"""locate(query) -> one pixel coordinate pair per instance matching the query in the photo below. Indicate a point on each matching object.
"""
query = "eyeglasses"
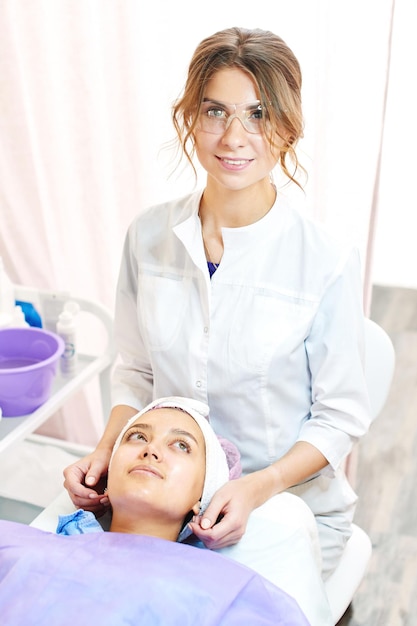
(216, 117)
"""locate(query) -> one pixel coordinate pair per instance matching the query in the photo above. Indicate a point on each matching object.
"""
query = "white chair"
(379, 370)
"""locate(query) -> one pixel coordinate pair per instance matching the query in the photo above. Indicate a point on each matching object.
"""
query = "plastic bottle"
(7, 292)
(5, 320)
(19, 320)
(66, 328)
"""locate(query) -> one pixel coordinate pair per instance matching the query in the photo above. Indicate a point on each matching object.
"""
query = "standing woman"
(229, 296)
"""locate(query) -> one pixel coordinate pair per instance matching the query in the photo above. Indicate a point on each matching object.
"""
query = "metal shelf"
(14, 429)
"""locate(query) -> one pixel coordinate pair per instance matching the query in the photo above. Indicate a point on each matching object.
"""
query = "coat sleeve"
(340, 412)
(132, 378)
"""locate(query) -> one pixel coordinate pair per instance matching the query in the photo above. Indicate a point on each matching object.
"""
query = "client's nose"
(150, 451)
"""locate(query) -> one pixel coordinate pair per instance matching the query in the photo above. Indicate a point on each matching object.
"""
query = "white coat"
(273, 343)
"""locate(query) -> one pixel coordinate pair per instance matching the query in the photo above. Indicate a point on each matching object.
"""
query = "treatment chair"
(379, 370)
(345, 580)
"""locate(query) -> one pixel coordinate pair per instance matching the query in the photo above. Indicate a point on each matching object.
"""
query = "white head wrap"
(217, 469)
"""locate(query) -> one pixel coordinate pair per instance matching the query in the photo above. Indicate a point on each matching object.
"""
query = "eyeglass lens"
(216, 117)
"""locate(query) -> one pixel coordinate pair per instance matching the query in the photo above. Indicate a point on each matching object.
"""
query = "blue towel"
(78, 523)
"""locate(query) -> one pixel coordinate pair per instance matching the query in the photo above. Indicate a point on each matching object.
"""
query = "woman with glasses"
(230, 296)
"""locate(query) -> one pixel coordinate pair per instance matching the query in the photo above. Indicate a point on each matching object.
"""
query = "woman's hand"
(231, 505)
(86, 479)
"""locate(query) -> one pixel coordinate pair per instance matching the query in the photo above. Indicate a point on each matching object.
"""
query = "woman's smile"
(234, 164)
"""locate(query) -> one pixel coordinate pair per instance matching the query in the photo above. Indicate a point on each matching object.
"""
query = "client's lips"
(146, 469)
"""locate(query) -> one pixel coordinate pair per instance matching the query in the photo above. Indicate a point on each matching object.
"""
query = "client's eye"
(135, 435)
(182, 445)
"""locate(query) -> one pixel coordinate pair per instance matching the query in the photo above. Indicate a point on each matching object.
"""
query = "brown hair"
(276, 73)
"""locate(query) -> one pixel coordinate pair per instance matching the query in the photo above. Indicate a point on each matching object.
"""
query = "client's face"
(160, 465)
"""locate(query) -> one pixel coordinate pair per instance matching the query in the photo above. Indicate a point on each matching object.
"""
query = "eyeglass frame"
(250, 107)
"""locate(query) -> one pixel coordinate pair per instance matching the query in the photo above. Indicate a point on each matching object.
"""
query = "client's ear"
(194, 511)
(196, 508)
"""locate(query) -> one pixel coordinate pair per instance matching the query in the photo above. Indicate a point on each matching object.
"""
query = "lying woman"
(166, 465)
(170, 440)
